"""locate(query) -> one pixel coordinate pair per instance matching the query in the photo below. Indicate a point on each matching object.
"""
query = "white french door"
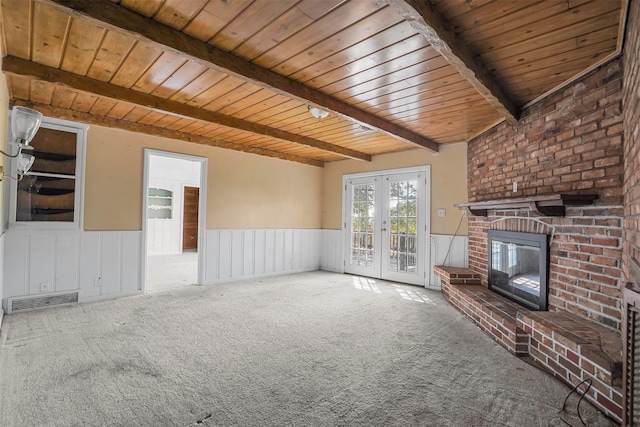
(386, 232)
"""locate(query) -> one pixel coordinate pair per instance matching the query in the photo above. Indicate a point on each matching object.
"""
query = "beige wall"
(244, 190)
(249, 191)
(4, 113)
(448, 183)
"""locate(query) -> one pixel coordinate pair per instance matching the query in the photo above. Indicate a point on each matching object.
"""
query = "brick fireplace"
(584, 256)
(569, 143)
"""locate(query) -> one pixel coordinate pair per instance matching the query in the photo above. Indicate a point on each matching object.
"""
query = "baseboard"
(259, 276)
(109, 297)
(332, 270)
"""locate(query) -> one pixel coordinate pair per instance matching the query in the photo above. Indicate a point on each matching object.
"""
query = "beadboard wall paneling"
(332, 251)
(99, 264)
(240, 254)
(107, 264)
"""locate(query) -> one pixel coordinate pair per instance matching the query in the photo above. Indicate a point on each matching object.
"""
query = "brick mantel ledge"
(546, 205)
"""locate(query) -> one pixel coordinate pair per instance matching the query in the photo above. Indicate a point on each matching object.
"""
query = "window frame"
(80, 129)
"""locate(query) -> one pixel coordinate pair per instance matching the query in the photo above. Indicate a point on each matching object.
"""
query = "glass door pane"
(403, 219)
(403, 231)
(362, 240)
(362, 223)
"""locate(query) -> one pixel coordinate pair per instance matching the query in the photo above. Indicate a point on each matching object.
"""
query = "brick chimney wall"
(631, 108)
(570, 142)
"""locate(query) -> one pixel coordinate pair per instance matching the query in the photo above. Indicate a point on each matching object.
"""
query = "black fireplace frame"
(540, 241)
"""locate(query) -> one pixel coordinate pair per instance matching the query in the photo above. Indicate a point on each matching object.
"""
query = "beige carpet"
(314, 349)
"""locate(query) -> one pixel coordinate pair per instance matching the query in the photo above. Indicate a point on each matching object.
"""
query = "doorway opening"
(172, 220)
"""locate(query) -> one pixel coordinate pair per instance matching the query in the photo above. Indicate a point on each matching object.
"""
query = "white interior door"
(386, 230)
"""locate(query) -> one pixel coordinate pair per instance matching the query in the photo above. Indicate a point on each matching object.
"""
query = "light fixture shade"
(24, 124)
(24, 162)
(318, 113)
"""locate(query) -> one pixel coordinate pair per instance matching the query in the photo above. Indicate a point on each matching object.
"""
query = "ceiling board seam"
(65, 40)
(124, 58)
(190, 20)
(95, 51)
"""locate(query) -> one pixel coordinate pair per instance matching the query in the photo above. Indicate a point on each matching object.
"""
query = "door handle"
(384, 229)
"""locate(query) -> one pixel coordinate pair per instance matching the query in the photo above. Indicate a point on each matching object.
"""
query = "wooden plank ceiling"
(241, 74)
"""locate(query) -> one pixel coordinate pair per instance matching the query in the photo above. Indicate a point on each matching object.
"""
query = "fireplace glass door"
(518, 267)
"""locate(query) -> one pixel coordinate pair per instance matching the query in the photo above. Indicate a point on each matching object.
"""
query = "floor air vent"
(16, 305)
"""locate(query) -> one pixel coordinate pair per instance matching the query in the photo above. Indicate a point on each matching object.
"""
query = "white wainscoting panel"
(1, 277)
(98, 264)
(114, 259)
(66, 263)
(457, 255)
(163, 236)
(243, 254)
(332, 250)
(90, 256)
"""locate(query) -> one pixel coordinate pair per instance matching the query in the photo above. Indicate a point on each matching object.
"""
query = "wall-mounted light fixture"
(318, 113)
(24, 125)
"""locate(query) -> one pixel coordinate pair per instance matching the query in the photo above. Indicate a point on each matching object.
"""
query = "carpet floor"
(166, 272)
(312, 349)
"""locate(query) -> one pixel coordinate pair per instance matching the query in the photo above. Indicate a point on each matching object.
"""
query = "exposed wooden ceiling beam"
(425, 19)
(22, 67)
(117, 18)
(79, 116)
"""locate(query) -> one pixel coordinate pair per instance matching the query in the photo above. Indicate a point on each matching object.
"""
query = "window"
(50, 194)
(160, 203)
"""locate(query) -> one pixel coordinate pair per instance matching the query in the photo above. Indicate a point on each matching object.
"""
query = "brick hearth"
(566, 345)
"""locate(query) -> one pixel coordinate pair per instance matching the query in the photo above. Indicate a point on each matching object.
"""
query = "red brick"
(610, 405)
(569, 366)
(573, 357)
